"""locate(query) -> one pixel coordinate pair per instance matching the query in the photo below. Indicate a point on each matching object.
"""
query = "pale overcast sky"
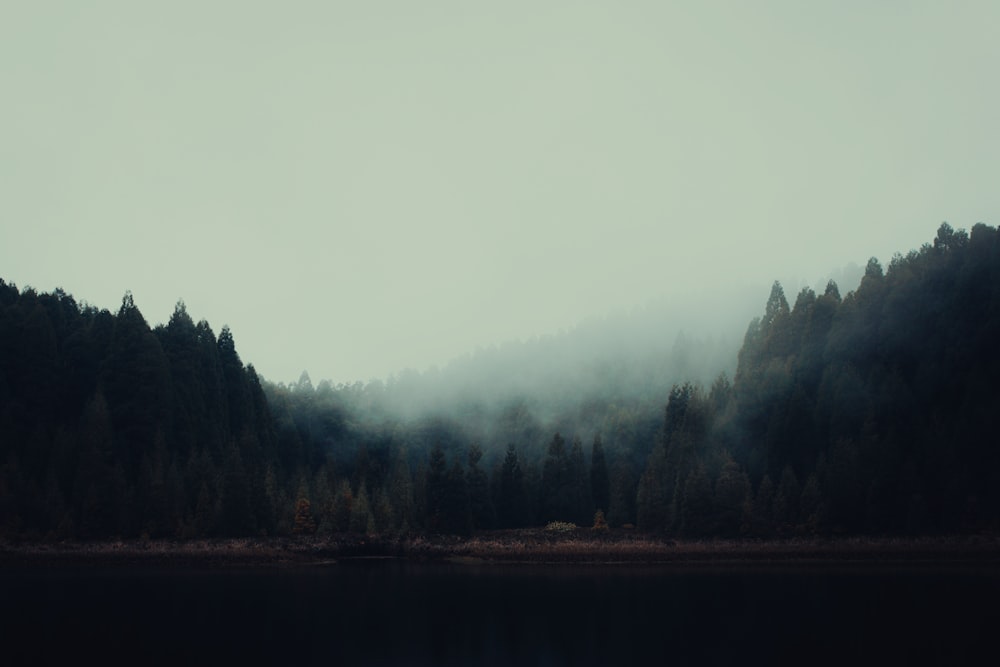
(360, 187)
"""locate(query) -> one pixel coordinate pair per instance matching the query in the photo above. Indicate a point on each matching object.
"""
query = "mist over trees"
(871, 411)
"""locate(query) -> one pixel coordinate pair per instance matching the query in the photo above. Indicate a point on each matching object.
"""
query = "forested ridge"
(875, 412)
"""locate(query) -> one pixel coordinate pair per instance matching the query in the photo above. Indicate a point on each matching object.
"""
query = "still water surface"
(393, 613)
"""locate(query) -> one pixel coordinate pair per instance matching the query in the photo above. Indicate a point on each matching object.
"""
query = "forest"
(869, 413)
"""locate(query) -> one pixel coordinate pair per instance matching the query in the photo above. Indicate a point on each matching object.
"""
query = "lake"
(400, 613)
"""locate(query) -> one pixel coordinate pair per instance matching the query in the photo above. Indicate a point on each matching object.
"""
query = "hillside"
(871, 412)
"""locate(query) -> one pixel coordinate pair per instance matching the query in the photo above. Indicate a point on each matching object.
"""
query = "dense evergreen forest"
(875, 412)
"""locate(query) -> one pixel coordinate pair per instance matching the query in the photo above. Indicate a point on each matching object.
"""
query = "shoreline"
(515, 547)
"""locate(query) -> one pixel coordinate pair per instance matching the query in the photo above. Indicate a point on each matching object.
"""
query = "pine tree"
(810, 501)
(696, 507)
(579, 485)
(457, 516)
(401, 492)
(763, 506)
(557, 493)
(623, 495)
(480, 503)
(342, 508)
(237, 516)
(362, 521)
(786, 500)
(136, 381)
(600, 481)
(512, 508)
(731, 491)
(651, 498)
(436, 486)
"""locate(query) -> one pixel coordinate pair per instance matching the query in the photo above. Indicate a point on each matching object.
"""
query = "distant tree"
(512, 509)
(362, 520)
(696, 507)
(786, 500)
(776, 309)
(382, 511)
(578, 482)
(832, 291)
(652, 500)
(761, 517)
(237, 517)
(478, 483)
(204, 522)
(810, 501)
(456, 511)
(436, 485)
(558, 497)
(343, 505)
(96, 492)
(623, 495)
(235, 385)
(136, 382)
(400, 492)
(600, 480)
(731, 491)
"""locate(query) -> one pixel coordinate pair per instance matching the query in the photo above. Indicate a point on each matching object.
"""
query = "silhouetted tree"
(512, 508)
(600, 480)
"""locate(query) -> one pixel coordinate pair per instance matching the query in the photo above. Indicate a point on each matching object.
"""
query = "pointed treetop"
(777, 305)
(180, 316)
(128, 303)
(304, 383)
(873, 269)
(475, 454)
(832, 290)
(226, 338)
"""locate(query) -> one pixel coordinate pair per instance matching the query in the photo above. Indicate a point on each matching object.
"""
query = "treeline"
(875, 412)
(109, 427)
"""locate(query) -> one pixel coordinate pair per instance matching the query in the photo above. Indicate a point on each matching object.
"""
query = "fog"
(623, 357)
(361, 189)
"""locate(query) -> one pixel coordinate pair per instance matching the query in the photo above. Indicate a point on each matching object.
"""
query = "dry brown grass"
(581, 545)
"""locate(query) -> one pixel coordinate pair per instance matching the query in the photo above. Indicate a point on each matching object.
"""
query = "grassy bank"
(514, 546)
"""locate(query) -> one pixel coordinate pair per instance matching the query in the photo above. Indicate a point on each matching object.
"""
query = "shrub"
(560, 526)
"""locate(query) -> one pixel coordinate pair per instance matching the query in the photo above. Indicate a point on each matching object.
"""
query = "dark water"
(407, 614)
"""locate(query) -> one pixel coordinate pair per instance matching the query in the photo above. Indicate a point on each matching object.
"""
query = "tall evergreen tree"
(512, 508)
(600, 480)
(436, 486)
(558, 499)
(481, 505)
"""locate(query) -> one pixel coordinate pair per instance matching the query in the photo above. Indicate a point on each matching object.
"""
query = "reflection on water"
(391, 613)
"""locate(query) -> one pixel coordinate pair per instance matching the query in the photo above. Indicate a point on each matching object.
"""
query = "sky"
(356, 188)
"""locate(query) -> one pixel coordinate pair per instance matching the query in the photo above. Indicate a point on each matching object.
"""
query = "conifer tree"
(731, 491)
(579, 485)
(763, 506)
(436, 486)
(600, 481)
(342, 508)
(696, 506)
(480, 503)
(652, 499)
(558, 496)
(513, 501)
(362, 521)
(457, 516)
(400, 492)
